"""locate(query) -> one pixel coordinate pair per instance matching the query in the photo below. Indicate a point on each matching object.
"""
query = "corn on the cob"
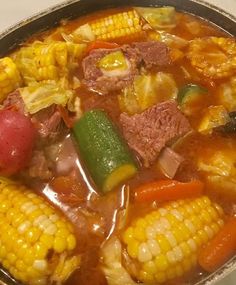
(165, 242)
(117, 25)
(217, 64)
(9, 77)
(37, 243)
(47, 61)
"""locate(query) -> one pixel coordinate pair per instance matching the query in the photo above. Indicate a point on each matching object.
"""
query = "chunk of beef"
(14, 101)
(153, 53)
(150, 53)
(95, 78)
(147, 133)
(48, 122)
(169, 161)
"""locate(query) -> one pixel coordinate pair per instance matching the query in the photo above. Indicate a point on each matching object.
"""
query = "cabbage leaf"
(220, 171)
(146, 91)
(39, 96)
(159, 18)
(112, 267)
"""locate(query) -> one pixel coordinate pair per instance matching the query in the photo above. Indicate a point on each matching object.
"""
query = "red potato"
(17, 137)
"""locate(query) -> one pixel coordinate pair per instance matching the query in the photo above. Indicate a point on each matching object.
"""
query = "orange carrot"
(220, 248)
(166, 190)
(101, 44)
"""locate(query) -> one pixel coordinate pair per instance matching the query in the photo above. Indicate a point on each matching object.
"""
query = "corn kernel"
(71, 242)
(133, 248)
(149, 267)
(161, 262)
(144, 253)
(32, 235)
(203, 236)
(185, 249)
(163, 243)
(59, 244)
(205, 217)
(47, 240)
(145, 276)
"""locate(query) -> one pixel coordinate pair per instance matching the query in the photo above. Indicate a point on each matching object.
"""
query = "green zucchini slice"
(104, 152)
(189, 96)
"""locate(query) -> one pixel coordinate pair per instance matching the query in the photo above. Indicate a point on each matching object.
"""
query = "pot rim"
(230, 266)
(8, 46)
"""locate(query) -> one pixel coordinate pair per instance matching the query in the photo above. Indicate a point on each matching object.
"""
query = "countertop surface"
(13, 11)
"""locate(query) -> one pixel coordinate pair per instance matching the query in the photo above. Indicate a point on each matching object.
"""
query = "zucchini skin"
(187, 91)
(102, 148)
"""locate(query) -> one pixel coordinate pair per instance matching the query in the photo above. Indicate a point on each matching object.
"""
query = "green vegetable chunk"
(189, 96)
(104, 152)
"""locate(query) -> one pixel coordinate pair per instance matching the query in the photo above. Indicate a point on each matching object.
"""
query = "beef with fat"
(148, 54)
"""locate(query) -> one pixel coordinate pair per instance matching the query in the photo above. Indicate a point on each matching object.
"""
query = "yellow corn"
(47, 61)
(214, 57)
(117, 25)
(165, 242)
(37, 243)
(9, 77)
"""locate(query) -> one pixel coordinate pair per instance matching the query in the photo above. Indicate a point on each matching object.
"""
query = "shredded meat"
(147, 133)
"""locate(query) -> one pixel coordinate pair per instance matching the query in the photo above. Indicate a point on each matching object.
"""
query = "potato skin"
(17, 138)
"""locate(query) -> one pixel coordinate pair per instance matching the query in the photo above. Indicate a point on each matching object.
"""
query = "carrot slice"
(166, 190)
(101, 44)
(220, 249)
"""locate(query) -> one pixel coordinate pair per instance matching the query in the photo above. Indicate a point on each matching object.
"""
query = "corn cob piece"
(47, 61)
(9, 77)
(218, 64)
(165, 242)
(37, 243)
(117, 25)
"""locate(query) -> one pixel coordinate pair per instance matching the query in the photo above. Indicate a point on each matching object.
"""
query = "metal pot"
(72, 9)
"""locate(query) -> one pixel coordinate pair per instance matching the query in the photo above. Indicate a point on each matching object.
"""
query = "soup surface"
(117, 151)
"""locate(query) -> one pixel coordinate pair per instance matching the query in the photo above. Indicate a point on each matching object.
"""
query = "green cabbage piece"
(227, 94)
(146, 91)
(220, 170)
(84, 33)
(112, 267)
(39, 96)
(159, 18)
